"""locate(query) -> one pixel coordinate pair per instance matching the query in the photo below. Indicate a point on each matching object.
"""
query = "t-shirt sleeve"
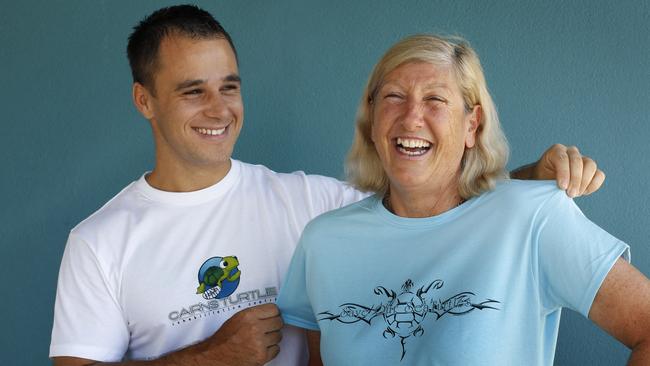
(293, 300)
(88, 322)
(574, 255)
(328, 193)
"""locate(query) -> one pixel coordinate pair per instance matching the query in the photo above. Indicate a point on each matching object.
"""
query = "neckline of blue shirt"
(421, 222)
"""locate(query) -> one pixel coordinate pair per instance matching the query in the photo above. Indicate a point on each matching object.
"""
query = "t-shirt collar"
(195, 197)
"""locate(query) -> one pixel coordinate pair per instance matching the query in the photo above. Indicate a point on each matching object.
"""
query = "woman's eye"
(435, 98)
(393, 96)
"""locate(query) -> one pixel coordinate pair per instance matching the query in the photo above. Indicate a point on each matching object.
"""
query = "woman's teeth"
(412, 147)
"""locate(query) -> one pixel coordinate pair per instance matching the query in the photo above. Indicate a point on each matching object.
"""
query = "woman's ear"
(473, 121)
(371, 112)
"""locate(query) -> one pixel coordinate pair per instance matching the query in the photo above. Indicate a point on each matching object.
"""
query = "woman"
(450, 263)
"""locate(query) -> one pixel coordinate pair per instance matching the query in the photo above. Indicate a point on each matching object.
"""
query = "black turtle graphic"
(405, 312)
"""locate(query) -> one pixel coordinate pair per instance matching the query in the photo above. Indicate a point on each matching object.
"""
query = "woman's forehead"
(423, 74)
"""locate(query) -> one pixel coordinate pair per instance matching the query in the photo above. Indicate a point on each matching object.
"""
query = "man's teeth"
(209, 131)
(412, 142)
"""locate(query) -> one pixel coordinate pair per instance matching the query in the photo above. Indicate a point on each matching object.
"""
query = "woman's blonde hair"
(483, 164)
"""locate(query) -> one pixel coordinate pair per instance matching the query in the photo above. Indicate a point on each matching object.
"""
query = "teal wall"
(575, 72)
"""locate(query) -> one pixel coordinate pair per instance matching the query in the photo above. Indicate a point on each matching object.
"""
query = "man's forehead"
(177, 42)
(179, 54)
(184, 61)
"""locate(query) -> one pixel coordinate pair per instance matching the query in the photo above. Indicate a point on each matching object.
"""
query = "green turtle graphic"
(215, 275)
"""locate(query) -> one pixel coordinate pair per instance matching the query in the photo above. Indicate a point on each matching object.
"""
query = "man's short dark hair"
(186, 20)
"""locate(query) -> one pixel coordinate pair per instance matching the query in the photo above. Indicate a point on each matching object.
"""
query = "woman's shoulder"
(531, 193)
(526, 188)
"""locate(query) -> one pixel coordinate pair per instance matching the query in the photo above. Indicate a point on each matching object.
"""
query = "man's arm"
(576, 174)
(622, 308)
(250, 337)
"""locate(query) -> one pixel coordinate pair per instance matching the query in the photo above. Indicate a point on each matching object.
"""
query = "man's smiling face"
(196, 109)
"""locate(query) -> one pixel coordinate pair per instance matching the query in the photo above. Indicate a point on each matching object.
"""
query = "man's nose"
(217, 106)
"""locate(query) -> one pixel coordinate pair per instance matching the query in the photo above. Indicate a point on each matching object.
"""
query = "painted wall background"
(575, 72)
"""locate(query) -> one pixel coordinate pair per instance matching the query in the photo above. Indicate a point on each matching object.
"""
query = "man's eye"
(193, 92)
(230, 88)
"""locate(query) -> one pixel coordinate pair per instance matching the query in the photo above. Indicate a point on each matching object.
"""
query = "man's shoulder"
(305, 195)
(298, 177)
(299, 185)
(123, 204)
(353, 214)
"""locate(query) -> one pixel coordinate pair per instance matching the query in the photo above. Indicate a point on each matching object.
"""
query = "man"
(183, 266)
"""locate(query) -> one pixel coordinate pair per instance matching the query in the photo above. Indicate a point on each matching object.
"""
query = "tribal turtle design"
(405, 312)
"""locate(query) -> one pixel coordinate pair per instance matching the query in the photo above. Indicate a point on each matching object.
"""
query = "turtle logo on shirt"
(404, 313)
(218, 277)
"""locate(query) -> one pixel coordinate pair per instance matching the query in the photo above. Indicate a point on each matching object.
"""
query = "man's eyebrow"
(233, 78)
(188, 84)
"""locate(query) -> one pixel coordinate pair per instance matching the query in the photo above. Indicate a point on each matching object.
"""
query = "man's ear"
(473, 121)
(142, 99)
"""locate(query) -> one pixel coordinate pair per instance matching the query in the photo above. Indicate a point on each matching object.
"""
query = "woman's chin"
(407, 182)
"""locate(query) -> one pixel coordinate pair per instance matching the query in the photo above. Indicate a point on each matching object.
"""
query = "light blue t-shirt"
(481, 284)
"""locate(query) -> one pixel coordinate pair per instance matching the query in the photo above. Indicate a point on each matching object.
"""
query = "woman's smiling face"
(420, 125)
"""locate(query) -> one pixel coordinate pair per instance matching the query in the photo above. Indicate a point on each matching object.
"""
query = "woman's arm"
(313, 342)
(622, 308)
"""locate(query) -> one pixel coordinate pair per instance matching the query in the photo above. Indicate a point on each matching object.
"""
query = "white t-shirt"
(152, 272)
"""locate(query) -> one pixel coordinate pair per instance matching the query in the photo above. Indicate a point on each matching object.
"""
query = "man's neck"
(186, 179)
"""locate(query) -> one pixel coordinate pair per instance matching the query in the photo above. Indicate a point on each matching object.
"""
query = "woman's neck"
(425, 202)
